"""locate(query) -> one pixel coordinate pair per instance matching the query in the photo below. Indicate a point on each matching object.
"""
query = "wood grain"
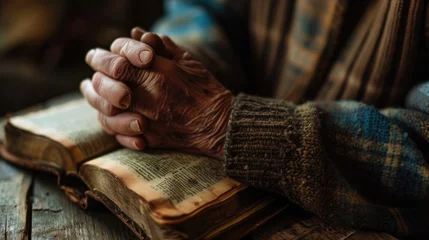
(15, 194)
(36, 208)
(55, 217)
(371, 236)
(48, 214)
(15, 185)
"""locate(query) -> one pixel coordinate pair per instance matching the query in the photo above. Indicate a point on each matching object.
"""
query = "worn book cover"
(159, 194)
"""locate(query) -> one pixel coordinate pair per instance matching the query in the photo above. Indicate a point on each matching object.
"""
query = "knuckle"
(111, 93)
(98, 103)
(103, 122)
(110, 110)
(144, 75)
(136, 75)
(97, 81)
(117, 44)
(119, 67)
(125, 48)
(108, 131)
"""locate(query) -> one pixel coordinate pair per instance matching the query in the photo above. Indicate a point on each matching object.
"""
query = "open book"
(159, 194)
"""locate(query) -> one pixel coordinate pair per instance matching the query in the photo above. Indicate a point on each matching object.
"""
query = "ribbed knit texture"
(264, 138)
(346, 162)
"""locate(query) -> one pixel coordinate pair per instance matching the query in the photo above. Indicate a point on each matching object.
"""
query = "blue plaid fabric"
(379, 157)
(194, 25)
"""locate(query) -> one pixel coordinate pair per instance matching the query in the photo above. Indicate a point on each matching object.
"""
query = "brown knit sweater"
(346, 162)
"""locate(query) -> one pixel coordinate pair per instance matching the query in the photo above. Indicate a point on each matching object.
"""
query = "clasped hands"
(149, 92)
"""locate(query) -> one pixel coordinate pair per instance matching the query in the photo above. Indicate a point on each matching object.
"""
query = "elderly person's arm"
(347, 162)
(208, 30)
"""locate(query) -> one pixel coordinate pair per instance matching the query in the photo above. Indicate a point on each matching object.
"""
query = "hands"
(150, 92)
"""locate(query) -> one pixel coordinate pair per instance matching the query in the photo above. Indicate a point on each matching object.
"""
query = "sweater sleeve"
(213, 31)
(347, 162)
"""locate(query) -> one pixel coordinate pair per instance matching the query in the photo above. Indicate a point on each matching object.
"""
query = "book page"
(74, 125)
(173, 184)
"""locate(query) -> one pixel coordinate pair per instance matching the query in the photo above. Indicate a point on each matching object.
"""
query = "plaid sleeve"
(349, 163)
(199, 27)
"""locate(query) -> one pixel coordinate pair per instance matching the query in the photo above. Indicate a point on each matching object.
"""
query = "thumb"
(139, 54)
(166, 67)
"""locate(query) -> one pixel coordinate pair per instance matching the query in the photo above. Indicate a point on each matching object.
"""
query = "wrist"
(220, 127)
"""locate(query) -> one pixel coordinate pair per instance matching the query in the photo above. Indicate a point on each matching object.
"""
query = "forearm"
(344, 161)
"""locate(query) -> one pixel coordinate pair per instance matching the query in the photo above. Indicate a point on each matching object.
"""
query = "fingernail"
(134, 125)
(83, 83)
(125, 101)
(138, 29)
(137, 145)
(145, 56)
(89, 55)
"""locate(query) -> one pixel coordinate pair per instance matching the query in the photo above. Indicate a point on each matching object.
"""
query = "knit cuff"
(263, 139)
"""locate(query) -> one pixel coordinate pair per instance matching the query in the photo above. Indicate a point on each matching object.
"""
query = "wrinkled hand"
(152, 92)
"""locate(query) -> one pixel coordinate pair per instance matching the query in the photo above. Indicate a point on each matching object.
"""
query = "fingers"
(165, 66)
(156, 43)
(119, 68)
(106, 62)
(138, 53)
(162, 44)
(137, 33)
(116, 93)
(126, 127)
(113, 65)
(176, 51)
(95, 100)
(169, 43)
(133, 142)
(101, 120)
(126, 123)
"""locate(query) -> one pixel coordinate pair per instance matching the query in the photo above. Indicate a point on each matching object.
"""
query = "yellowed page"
(74, 125)
(173, 184)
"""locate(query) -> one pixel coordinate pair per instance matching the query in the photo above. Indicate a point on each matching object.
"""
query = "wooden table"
(32, 206)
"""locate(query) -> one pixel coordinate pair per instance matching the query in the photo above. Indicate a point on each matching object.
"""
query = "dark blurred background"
(43, 43)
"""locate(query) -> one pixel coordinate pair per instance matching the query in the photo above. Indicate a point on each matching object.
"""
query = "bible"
(158, 194)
